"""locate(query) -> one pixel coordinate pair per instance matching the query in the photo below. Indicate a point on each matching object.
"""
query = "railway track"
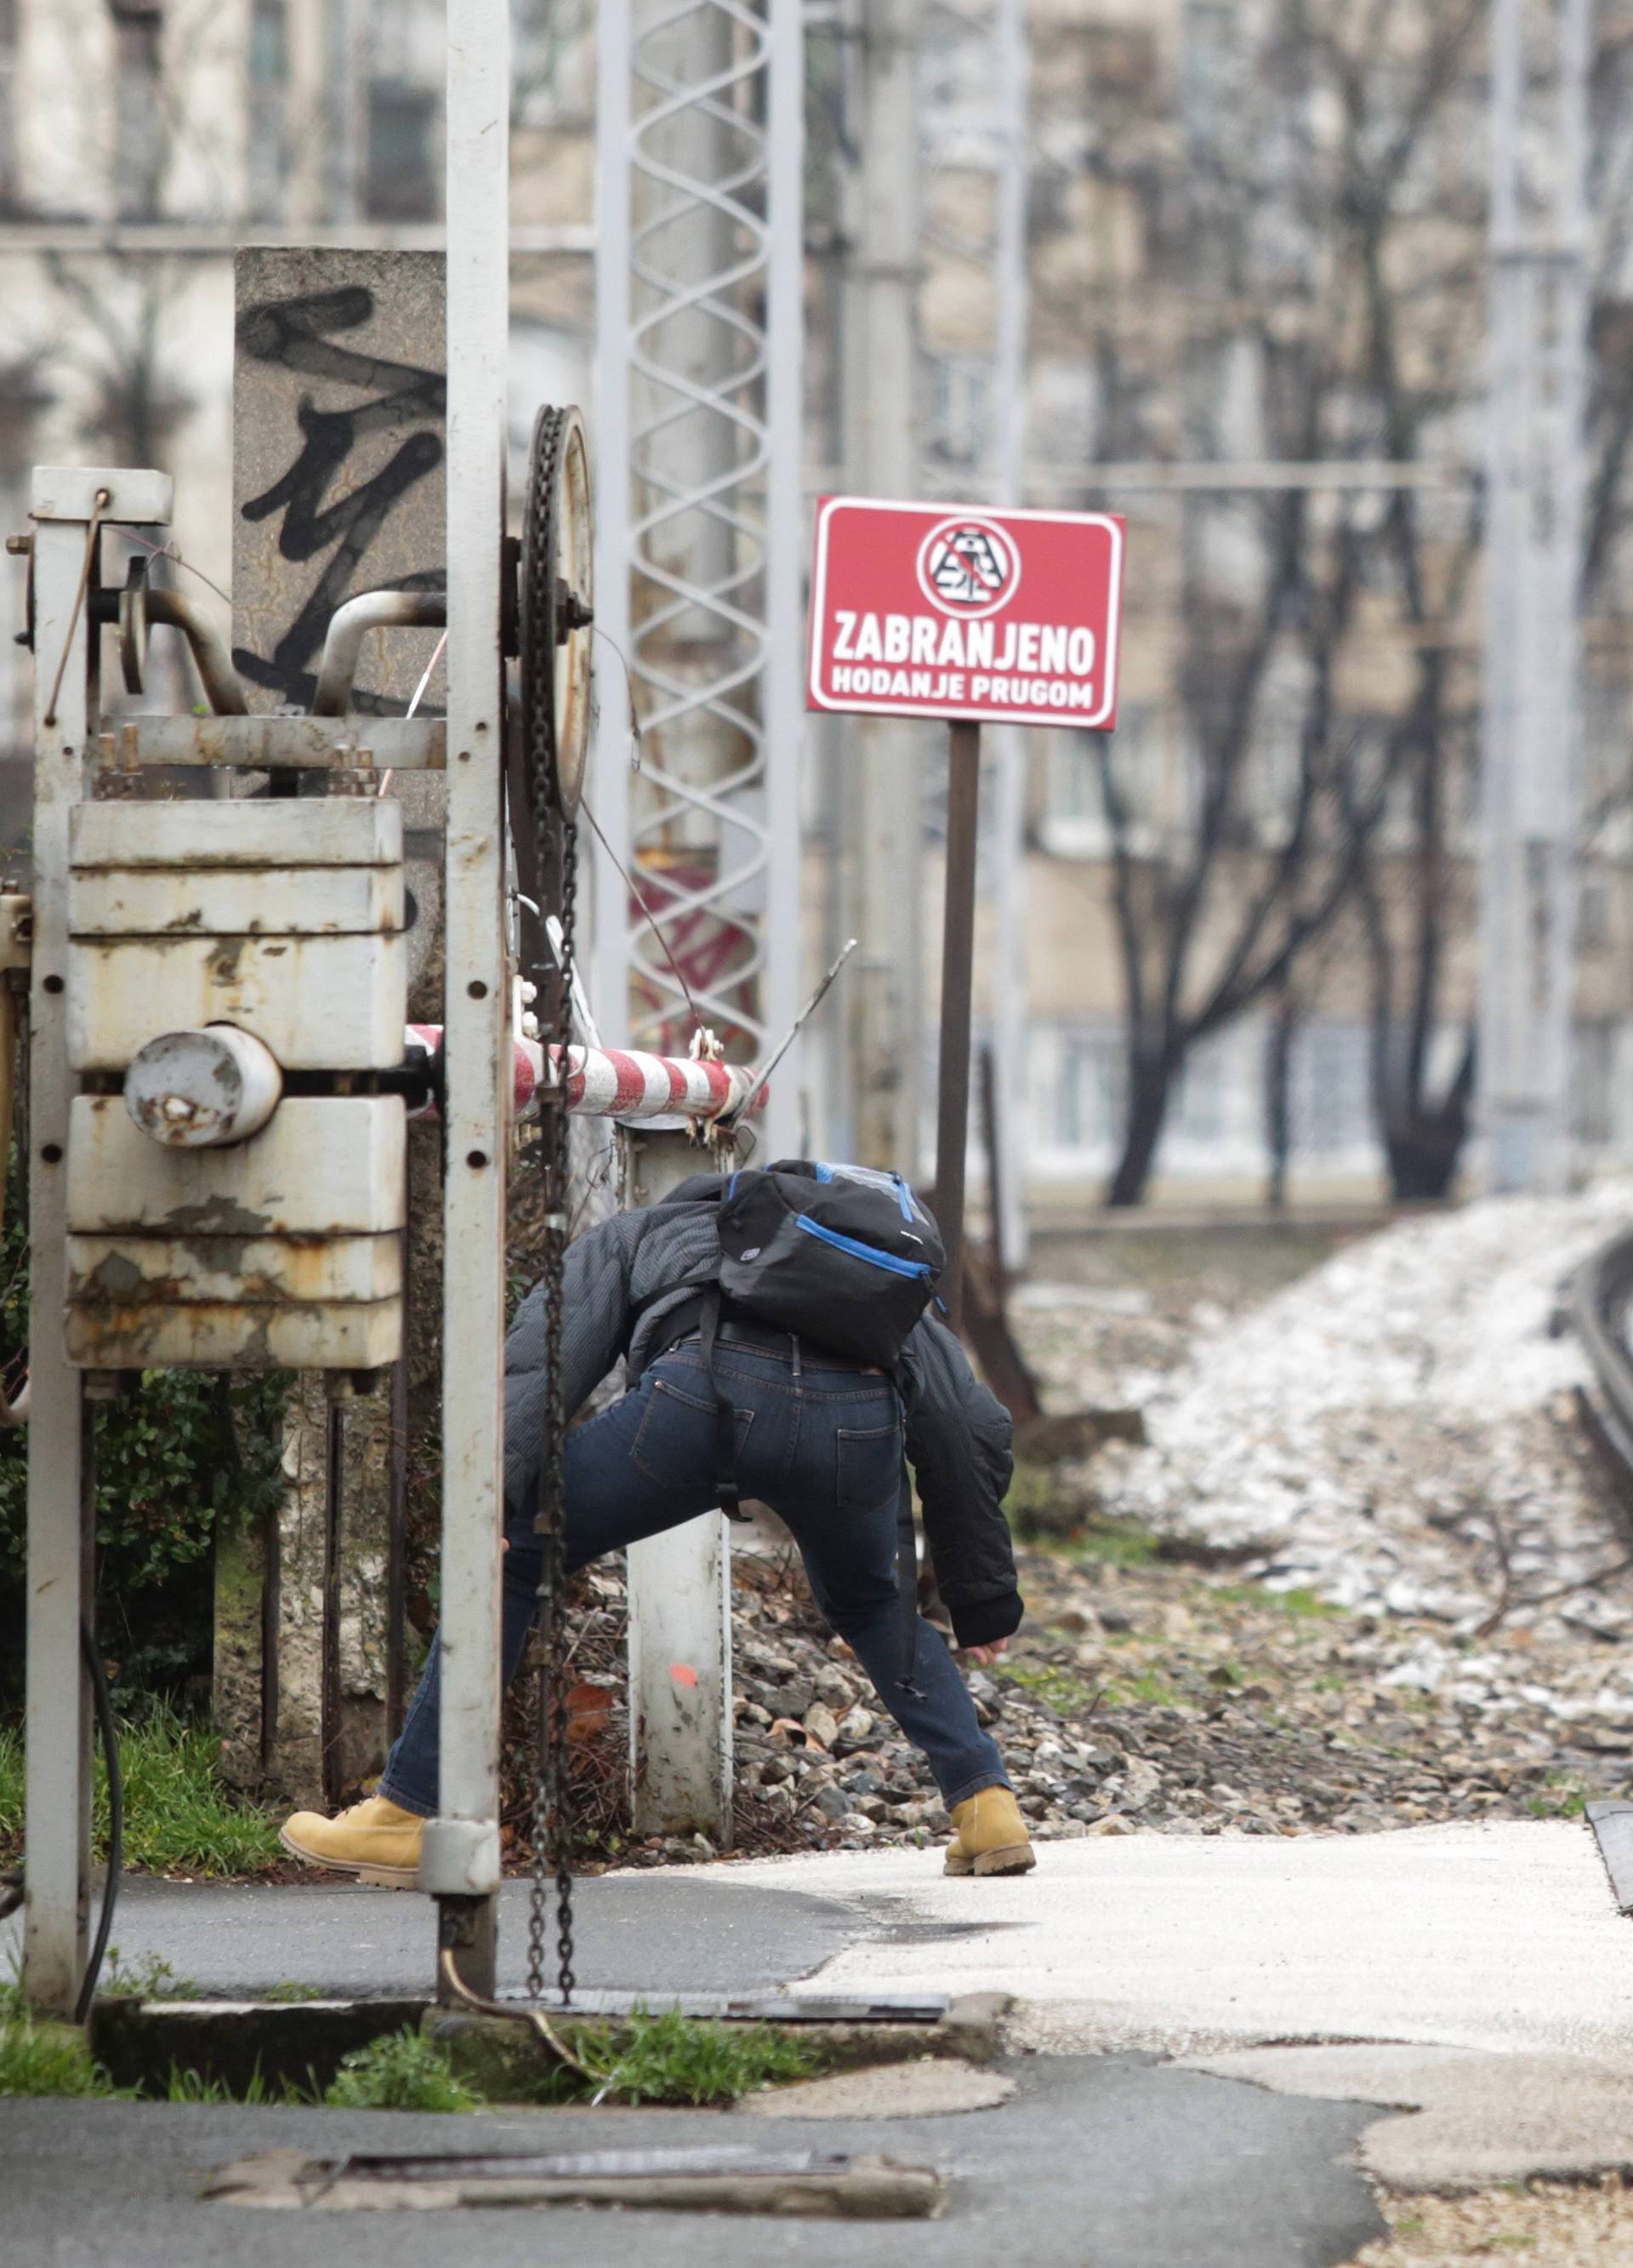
(1598, 1305)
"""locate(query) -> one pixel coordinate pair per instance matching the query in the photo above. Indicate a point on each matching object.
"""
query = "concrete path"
(1480, 1972)
(1502, 1938)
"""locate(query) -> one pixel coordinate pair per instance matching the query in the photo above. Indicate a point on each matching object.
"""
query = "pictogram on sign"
(924, 610)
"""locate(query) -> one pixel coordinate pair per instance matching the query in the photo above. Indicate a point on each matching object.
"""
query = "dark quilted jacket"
(624, 1277)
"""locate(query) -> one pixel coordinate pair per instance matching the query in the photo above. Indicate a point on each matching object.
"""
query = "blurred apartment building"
(1239, 254)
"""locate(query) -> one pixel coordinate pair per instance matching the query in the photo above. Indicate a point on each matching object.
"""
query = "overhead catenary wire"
(651, 919)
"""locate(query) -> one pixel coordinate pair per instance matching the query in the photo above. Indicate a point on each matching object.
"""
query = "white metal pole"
(784, 687)
(1531, 755)
(57, 1720)
(461, 1853)
(1011, 1009)
(57, 1735)
(883, 775)
(609, 424)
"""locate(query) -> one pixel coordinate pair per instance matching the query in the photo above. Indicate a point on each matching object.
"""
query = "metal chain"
(551, 1825)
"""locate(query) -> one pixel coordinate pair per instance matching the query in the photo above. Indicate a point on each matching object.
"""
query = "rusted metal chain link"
(551, 1825)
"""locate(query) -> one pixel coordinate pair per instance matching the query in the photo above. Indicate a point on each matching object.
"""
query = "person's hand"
(981, 1655)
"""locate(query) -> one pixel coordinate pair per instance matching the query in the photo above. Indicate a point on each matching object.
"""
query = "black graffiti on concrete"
(300, 333)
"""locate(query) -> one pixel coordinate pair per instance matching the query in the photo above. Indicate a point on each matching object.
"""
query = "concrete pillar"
(353, 486)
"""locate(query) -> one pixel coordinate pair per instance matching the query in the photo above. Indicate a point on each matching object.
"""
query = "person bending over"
(819, 1437)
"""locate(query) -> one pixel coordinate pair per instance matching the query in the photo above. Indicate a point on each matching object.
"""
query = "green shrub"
(179, 1819)
(403, 2072)
(170, 1458)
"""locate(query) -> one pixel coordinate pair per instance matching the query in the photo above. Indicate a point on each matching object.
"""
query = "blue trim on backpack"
(824, 1173)
(904, 1197)
(859, 1251)
(730, 1186)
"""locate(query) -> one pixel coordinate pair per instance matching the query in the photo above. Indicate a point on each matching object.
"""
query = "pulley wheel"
(556, 610)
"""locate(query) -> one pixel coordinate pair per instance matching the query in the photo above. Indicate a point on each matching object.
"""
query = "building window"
(9, 186)
(1198, 1113)
(1075, 823)
(1593, 1085)
(1593, 915)
(959, 390)
(404, 179)
(1091, 1094)
(139, 145)
(1331, 1103)
(268, 76)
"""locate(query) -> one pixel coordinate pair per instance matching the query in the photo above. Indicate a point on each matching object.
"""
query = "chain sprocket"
(555, 609)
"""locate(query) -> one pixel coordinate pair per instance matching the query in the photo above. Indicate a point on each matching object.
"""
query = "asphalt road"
(634, 1932)
(1095, 2163)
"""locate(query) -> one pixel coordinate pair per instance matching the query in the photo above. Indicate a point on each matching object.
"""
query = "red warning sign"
(939, 610)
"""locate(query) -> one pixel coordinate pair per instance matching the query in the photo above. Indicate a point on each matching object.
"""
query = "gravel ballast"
(1364, 1575)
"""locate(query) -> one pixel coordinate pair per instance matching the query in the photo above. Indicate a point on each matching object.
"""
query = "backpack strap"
(906, 1545)
(725, 1414)
(906, 1581)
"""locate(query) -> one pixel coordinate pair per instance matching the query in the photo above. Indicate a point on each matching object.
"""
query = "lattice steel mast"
(700, 524)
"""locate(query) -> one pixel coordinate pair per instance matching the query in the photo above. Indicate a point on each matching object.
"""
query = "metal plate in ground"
(756, 2008)
(1612, 1825)
(712, 2178)
(554, 2165)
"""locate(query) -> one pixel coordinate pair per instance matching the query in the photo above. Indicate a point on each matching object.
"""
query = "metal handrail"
(1599, 1304)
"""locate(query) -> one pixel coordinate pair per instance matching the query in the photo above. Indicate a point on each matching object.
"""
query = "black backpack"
(842, 1255)
(845, 1256)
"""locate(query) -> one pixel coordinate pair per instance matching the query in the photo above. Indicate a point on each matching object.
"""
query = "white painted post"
(1535, 486)
(460, 1863)
(57, 1740)
(1011, 1003)
(679, 1618)
(785, 561)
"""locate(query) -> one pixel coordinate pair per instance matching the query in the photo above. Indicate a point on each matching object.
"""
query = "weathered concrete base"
(930, 2087)
(1474, 2120)
(505, 2061)
(137, 2041)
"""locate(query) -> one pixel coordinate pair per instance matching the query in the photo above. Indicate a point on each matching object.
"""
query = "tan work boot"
(376, 1840)
(990, 1836)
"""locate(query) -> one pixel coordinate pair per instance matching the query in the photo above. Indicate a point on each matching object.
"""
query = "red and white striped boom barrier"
(619, 1083)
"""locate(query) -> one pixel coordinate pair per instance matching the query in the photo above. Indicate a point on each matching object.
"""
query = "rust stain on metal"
(219, 1216)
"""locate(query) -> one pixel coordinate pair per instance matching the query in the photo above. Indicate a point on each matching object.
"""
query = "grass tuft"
(403, 2072)
(149, 1979)
(673, 2057)
(1118, 1543)
(179, 1819)
(48, 2059)
(185, 2085)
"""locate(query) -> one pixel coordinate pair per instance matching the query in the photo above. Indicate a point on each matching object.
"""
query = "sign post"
(975, 616)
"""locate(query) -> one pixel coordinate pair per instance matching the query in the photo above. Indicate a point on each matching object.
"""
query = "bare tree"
(1319, 142)
(1324, 318)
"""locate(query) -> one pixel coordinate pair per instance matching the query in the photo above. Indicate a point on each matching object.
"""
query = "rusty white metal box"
(286, 920)
(285, 1250)
(283, 919)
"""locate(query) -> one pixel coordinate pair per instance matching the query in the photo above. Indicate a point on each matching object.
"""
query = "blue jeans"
(822, 1447)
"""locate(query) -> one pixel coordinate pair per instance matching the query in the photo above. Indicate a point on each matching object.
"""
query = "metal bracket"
(460, 1857)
